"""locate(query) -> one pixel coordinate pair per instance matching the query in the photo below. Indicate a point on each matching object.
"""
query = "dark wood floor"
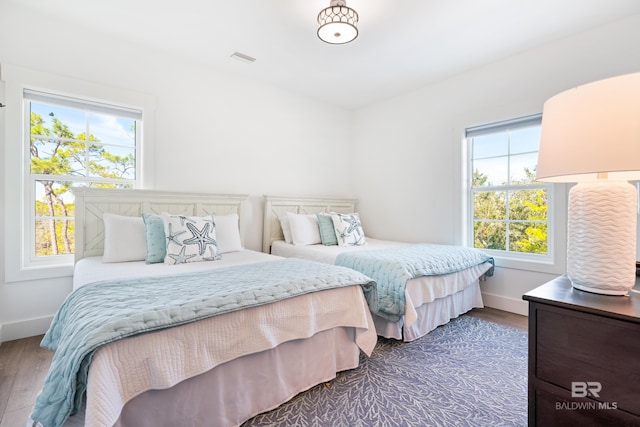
(24, 365)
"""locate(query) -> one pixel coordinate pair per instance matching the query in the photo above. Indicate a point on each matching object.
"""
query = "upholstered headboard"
(91, 203)
(280, 205)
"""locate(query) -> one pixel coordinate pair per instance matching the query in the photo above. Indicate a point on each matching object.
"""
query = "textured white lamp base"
(601, 236)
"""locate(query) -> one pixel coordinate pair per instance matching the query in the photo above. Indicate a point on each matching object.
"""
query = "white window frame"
(555, 259)
(29, 256)
(19, 200)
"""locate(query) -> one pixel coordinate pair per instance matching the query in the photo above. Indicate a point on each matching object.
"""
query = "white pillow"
(304, 229)
(286, 227)
(228, 233)
(190, 238)
(124, 238)
(348, 229)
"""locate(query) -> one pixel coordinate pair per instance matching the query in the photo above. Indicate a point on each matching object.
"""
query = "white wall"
(213, 133)
(2, 144)
(257, 139)
(409, 148)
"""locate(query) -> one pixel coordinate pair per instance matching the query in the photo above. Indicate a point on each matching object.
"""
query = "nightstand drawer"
(557, 408)
(590, 356)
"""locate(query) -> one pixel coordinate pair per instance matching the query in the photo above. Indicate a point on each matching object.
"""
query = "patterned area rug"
(469, 372)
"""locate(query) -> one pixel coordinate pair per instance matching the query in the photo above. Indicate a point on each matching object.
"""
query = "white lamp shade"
(592, 129)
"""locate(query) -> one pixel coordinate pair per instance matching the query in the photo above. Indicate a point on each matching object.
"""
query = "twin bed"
(217, 342)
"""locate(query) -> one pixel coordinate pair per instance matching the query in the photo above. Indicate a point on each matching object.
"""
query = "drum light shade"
(337, 24)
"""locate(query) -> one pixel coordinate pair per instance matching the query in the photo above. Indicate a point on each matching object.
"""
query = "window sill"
(38, 273)
(540, 266)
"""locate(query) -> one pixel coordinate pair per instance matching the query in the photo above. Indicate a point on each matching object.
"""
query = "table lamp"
(591, 136)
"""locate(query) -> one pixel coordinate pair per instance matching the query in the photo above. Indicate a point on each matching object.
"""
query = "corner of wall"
(503, 303)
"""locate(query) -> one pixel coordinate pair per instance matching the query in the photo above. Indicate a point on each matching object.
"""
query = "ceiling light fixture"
(338, 24)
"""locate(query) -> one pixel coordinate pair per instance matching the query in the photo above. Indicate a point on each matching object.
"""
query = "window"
(59, 94)
(510, 211)
(70, 143)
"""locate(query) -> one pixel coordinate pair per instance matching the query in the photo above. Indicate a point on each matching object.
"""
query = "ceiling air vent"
(242, 57)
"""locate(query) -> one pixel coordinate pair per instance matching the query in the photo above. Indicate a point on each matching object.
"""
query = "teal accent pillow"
(156, 240)
(327, 230)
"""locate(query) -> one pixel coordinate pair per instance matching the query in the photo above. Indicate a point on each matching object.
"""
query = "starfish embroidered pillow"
(190, 238)
(348, 229)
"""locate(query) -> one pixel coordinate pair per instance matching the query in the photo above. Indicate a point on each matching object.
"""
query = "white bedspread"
(419, 291)
(447, 295)
(128, 367)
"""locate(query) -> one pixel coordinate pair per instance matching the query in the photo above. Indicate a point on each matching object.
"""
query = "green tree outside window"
(65, 153)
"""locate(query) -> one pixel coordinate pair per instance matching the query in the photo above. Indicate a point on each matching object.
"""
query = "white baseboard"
(511, 305)
(24, 328)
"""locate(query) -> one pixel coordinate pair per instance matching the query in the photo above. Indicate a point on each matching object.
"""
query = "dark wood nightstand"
(584, 357)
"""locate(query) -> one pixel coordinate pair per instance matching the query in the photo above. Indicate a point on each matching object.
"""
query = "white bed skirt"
(431, 315)
(234, 392)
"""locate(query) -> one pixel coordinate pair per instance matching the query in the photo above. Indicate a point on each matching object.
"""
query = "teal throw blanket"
(391, 268)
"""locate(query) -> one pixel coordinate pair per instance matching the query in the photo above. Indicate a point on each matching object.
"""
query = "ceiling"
(402, 44)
